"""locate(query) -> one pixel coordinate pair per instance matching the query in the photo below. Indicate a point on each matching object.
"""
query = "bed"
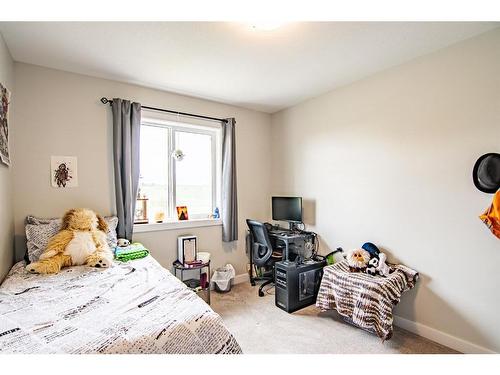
(134, 307)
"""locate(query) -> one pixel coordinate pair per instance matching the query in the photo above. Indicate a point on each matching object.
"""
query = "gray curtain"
(229, 204)
(126, 135)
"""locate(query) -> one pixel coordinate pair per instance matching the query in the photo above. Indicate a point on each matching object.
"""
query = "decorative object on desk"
(159, 216)
(4, 125)
(122, 242)
(141, 211)
(178, 155)
(182, 213)
(223, 278)
(63, 171)
(486, 173)
(186, 249)
(357, 259)
(216, 213)
(135, 250)
(491, 217)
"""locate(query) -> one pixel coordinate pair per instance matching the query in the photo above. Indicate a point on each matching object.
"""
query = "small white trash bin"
(223, 278)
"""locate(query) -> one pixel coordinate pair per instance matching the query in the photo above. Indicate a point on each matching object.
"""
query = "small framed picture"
(182, 213)
(141, 211)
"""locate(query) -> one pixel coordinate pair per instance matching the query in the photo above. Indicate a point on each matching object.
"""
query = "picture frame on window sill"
(141, 211)
(182, 213)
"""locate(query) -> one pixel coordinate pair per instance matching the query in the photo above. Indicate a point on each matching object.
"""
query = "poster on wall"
(63, 171)
(4, 125)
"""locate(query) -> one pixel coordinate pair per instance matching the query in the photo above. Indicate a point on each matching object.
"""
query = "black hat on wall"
(486, 173)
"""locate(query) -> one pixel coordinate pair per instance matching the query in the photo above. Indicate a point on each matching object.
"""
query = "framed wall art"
(63, 171)
(4, 125)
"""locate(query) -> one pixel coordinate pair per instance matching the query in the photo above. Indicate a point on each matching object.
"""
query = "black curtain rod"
(110, 101)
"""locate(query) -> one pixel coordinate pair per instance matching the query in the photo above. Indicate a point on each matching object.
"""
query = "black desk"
(290, 242)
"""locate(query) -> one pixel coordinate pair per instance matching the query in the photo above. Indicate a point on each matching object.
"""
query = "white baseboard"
(441, 337)
(420, 329)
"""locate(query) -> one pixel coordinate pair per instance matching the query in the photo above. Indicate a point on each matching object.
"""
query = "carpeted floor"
(260, 327)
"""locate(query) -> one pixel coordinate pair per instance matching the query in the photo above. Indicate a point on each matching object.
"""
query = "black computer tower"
(297, 285)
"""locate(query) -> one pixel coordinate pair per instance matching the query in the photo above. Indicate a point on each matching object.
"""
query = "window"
(190, 180)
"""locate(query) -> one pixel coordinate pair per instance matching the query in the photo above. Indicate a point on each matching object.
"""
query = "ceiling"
(232, 62)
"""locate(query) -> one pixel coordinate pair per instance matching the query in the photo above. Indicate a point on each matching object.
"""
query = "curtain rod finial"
(105, 100)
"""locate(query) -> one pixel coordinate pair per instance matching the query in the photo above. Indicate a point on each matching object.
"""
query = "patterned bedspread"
(364, 300)
(135, 307)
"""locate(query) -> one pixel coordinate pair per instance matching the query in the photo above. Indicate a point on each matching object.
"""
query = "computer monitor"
(287, 209)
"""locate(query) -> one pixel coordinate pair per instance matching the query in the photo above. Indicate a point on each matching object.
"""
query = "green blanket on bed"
(135, 250)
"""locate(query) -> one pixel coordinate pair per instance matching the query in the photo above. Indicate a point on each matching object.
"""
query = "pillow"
(40, 231)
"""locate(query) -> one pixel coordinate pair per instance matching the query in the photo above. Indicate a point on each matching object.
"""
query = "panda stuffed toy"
(376, 265)
(371, 268)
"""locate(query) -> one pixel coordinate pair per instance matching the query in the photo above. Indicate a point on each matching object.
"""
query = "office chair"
(262, 253)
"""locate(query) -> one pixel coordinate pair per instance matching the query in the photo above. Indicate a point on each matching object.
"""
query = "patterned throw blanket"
(135, 307)
(364, 300)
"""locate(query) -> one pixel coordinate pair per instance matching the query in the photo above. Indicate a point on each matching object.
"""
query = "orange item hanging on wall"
(491, 216)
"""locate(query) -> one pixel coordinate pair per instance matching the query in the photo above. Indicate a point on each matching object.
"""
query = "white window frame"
(212, 130)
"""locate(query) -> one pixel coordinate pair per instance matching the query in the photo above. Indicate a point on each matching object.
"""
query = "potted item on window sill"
(159, 217)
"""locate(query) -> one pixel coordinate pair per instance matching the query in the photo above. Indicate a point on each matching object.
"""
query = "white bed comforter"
(134, 307)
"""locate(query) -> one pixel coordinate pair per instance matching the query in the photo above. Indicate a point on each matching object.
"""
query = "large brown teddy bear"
(81, 240)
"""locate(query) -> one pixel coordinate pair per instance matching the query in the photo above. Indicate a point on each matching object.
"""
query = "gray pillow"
(40, 231)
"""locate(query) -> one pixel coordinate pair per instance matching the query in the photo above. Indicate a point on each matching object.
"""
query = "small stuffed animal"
(371, 269)
(357, 259)
(382, 267)
(123, 242)
(81, 240)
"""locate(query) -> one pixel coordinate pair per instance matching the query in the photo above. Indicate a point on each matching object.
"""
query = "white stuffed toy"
(382, 267)
(357, 259)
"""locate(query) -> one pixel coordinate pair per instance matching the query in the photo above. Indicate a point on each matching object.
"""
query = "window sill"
(171, 225)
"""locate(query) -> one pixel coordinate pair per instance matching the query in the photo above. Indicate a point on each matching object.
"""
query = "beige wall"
(6, 214)
(59, 113)
(389, 160)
